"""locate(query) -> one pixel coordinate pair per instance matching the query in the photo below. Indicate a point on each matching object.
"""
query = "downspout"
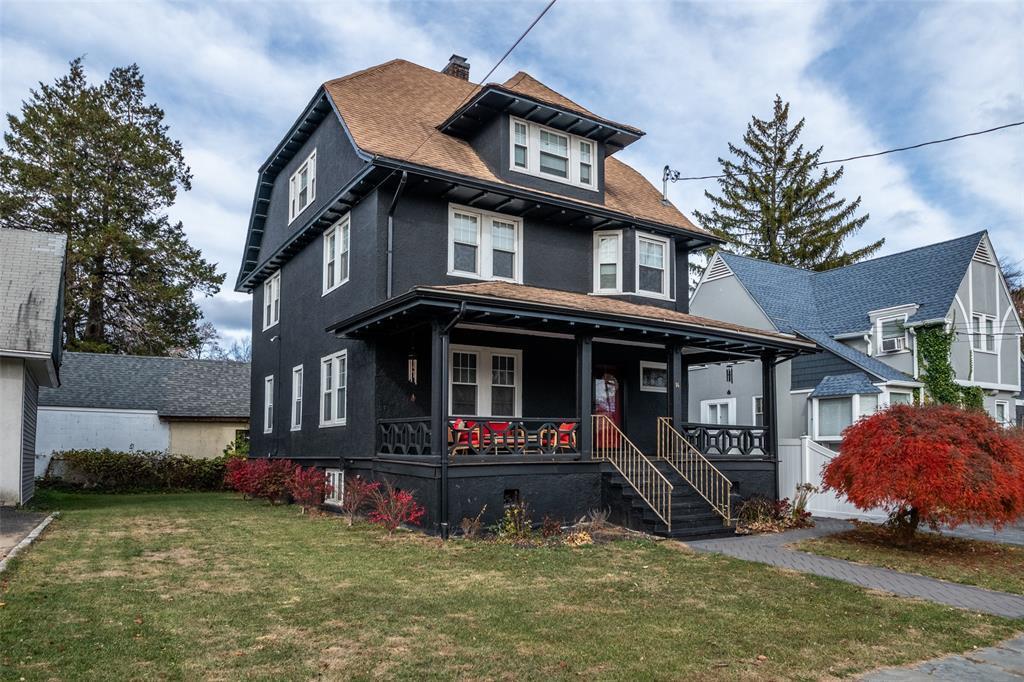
(391, 232)
(443, 515)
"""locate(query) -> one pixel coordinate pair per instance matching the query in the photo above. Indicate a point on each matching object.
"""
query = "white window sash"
(711, 411)
(666, 289)
(294, 187)
(334, 384)
(598, 261)
(338, 255)
(272, 300)
(268, 404)
(485, 246)
(296, 416)
(484, 384)
(574, 155)
(984, 337)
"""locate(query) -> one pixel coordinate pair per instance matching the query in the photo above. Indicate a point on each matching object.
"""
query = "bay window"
(336, 255)
(551, 154)
(334, 389)
(607, 262)
(652, 266)
(834, 415)
(484, 245)
(485, 382)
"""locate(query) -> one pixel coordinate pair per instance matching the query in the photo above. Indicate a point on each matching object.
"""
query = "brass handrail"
(611, 445)
(695, 468)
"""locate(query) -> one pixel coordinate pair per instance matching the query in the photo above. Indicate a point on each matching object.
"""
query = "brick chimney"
(457, 67)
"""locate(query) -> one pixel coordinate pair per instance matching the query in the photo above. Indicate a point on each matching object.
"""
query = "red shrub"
(358, 492)
(391, 508)
(261, 477)
(939, 464)
(309, 487)
(242, 475)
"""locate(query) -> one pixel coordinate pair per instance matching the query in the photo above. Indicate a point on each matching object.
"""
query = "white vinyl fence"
(801, 461)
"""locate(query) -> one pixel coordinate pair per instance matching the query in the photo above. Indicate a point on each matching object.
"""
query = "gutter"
(391, 232)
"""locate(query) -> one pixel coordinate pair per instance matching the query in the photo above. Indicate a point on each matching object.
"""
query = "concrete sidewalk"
(1003, 661)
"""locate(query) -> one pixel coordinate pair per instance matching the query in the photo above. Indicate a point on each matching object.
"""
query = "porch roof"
(534, 308)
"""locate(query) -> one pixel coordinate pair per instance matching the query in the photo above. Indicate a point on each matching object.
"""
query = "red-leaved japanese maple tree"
(937, 464)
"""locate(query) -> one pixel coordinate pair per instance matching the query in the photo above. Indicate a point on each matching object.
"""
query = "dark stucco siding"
(808, 370)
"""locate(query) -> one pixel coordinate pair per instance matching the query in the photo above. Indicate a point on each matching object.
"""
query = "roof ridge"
(901, 253)
(154, 357)
(768, 262)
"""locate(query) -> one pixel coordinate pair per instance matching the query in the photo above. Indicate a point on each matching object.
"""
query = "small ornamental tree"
(308, 487)
(358, 492)
(392, 508)
(939, 464)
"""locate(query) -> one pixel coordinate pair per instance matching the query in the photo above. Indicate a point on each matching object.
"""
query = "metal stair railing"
(695, 468)
(612, 446)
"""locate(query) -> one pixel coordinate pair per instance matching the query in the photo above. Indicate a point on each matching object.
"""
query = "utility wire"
(489, 73)
(675, 176)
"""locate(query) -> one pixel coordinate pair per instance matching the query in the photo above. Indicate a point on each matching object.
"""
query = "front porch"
(485, 399)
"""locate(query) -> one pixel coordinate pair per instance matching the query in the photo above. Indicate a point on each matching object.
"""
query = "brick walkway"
(1001, 662)
(770, 549)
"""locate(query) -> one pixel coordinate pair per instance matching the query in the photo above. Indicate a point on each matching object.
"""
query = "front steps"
(692, 517)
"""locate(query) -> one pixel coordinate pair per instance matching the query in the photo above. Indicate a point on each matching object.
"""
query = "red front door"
(608, 402)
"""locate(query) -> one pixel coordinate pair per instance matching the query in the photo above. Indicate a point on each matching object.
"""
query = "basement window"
(302, 187)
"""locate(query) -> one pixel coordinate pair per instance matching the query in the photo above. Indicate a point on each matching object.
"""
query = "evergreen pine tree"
(95, 163)
(774, 206)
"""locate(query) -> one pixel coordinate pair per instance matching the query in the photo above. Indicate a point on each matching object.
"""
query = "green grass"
(210, 586)
(971, 562)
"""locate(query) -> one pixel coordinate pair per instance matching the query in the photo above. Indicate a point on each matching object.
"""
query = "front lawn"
(972, 562)
(195, 586)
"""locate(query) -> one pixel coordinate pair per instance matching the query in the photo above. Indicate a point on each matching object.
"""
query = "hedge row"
(113, 471)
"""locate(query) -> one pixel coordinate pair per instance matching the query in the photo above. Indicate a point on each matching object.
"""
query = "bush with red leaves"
(358, 491)
(392, 508)
(938, 464)
(308, 487)
(267, 478)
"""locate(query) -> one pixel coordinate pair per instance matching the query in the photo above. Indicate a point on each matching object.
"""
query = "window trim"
(666, 274)
(1007, 420)
(273, 283)
(297, 371)
(294, 211)
(754, 412)
(337, 496)
(532, 168)
(705, 408)
(483, 391)
(978, 319)
(879, 338)
(268, 403)
(485, 247)
(335, 383)
(597, 263)
(342, 231)
(650, 364)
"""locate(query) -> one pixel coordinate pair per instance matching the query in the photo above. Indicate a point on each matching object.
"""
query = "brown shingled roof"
(390, 109)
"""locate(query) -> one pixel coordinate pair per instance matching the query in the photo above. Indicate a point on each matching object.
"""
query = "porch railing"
(695, 469)
(611, 445)
(727, 439)
(404, 436)
(497, 436)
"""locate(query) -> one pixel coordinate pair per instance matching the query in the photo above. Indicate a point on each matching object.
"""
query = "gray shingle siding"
(31, 279)
(809, 370)
(834, 386)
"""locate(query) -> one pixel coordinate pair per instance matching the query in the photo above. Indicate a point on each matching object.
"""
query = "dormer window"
(892, 334)
(547, 153)
(302, 187)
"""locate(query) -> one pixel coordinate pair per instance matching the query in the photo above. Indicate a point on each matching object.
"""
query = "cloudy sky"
(867, 76)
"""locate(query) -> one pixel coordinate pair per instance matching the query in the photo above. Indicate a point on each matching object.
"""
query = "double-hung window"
(302, 187)
(272, 300)
(552, 154)
(268, 404)
(486, 382)
(652, 266)
(336, 254)
(297, 398)
(334, 389)
(484, 245)
(607, 262)
(758, 410)
(1002, 411)
(718, 411)
(892, 334)
(985, 333)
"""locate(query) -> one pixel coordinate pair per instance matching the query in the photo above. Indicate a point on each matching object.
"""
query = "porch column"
(769, 402)
(439, 344)
(678, 386)
(585, 393)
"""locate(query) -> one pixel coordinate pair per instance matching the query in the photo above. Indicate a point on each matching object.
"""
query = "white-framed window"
(268, 404)
(484, 245)
(892, 334)
(834, 415)
(984, 338)
(718, 411)
(901, 398)
(272, 300)
(1002, 413)
(485, 382)
(757, 410)
(653, 376)
(336, 480)
(336, 254)
(296, 398)
(552, 154)
(334, 389)
(652, 266)
(302, 187)
(608, 262)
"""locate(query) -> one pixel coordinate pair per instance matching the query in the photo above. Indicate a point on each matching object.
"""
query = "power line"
(675, 176)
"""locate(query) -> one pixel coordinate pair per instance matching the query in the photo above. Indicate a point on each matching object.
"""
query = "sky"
(867, 76)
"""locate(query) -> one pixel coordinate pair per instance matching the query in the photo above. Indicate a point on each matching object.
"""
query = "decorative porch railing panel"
(695, 469)
(404, 436)
(727, 439)
(496, 436)
(612, 445)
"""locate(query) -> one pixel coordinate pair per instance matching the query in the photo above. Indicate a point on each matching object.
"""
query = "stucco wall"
(12, 383)
(203, 439)
(70, 428)
(726, 299)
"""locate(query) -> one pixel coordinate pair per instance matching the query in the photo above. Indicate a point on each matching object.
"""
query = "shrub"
(308, 487)
(515, 524)
(937, 463)
(116, 471)
(471, 526)
(358, 492)
(266, 478)
(392, 508)
(761, 514)
(550, 528)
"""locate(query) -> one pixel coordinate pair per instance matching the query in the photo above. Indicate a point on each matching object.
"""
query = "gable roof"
(855, 357)
(31, 286)
(840, 385)
(174, 387)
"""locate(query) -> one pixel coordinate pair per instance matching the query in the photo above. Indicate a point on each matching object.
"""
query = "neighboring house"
(131, 402)
(453, 284)
(865, 318)
(31, 311)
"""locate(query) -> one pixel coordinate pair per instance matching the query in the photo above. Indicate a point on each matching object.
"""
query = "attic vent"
(983, 254)
(718, 270)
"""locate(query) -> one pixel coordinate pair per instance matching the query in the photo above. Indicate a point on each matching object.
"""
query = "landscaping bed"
(972, 562)
(207, 585)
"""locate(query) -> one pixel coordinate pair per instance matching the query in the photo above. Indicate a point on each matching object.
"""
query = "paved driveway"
(14, 526)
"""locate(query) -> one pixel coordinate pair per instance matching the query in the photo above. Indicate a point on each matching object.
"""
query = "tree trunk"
(95, 327)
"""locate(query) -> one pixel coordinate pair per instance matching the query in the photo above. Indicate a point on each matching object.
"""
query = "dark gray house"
(461, 289)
